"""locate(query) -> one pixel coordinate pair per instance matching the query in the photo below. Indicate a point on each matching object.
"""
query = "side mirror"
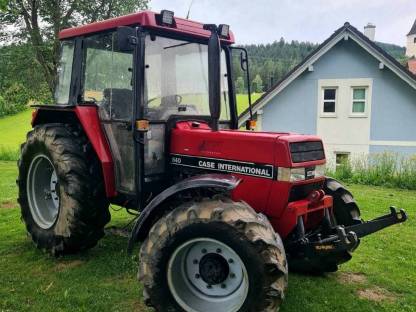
(126, 38)
(251, 123)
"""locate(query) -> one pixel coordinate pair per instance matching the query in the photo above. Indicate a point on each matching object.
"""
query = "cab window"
(64, 73)
(176, 79)
(108, 77)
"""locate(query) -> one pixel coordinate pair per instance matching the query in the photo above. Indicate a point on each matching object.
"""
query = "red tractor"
(145, 117)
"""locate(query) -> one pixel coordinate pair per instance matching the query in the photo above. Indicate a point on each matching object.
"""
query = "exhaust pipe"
(214, 75)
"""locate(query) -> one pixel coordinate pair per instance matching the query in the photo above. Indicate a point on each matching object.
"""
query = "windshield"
(176, 79)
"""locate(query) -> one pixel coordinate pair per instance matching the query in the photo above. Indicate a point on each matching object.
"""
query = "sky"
(264, 21)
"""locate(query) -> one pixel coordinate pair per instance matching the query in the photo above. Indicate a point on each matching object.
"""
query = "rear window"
(64, 73)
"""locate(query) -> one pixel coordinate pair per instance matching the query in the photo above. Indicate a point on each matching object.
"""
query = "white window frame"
(359, 114)
(336, 153)
(328, 114)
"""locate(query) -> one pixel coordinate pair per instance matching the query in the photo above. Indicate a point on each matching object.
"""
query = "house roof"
(413, 29)
(343, 33)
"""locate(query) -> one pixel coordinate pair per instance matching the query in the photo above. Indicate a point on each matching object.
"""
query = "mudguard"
(224, 182)
(87, 117)
(334, 185)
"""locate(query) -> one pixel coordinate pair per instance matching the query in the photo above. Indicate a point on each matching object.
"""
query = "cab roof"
(146, 19)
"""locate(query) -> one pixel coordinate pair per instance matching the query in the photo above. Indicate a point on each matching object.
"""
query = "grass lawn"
(242, 101)
(381, 276)
(13, 131)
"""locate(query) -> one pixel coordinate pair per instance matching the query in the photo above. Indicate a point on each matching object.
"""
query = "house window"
(329, 100)
(414, 40)
(341, 159)
(359, 100)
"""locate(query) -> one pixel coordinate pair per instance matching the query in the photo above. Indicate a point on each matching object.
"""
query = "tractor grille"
(306, 151)
(299, 192)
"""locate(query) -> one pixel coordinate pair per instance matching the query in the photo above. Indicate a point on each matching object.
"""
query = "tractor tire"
(346, 210)
(61, 190)
(213, 255)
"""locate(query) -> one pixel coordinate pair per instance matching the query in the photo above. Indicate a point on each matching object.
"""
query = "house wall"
(402, 150)
(294, 109)
(411, 46)
(391, 120)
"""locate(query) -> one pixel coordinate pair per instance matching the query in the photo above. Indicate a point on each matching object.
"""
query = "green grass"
(104, 278)
(13, 131)
(242, 101)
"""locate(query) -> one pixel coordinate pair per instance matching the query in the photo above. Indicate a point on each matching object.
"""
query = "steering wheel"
(178, 99)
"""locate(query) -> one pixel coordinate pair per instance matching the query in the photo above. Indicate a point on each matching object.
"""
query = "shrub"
(384, 169)
(14, 99)
(3, 107)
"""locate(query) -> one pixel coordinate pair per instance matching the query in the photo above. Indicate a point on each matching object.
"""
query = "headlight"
(300, 174)
(320, 171)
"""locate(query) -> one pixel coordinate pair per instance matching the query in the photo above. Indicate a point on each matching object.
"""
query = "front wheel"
(346, 210)
(213, 255)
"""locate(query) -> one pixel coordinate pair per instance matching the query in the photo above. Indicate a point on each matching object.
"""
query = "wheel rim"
(43, 192)
(207, 275)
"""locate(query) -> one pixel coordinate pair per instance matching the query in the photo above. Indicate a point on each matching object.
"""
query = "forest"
(269, 63)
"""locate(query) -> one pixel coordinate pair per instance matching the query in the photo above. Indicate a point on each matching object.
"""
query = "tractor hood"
(257, 158)
(258, 148)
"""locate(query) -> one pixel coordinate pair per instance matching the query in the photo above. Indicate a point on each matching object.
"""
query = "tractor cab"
(144, 72)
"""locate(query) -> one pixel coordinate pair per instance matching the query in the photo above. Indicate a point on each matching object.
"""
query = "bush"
(13, 100)
(3, 107)
(385, 169)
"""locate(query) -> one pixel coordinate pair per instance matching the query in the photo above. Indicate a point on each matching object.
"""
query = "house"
(348, 91)
(411, 42)
(411, 49)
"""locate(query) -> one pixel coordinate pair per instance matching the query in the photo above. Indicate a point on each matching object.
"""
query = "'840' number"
(176, 160)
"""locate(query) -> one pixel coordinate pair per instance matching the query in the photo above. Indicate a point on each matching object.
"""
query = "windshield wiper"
(178, 45)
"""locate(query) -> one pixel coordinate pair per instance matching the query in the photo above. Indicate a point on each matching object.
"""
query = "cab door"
(107, 82)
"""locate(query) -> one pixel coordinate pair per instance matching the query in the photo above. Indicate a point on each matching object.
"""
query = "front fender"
(224, 182)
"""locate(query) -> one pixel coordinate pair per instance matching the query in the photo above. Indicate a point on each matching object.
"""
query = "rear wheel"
(61, 190)
(214, 255)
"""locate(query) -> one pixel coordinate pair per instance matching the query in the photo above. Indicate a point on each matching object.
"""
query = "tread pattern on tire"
(346, 209)
(83, 203)
(253, 227)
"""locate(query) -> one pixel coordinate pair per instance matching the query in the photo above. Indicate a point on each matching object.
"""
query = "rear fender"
(219, 182)
(87, 117)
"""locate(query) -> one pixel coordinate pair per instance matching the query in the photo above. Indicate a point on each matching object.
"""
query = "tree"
(38, 22)
(257, 84)
(239, 85)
